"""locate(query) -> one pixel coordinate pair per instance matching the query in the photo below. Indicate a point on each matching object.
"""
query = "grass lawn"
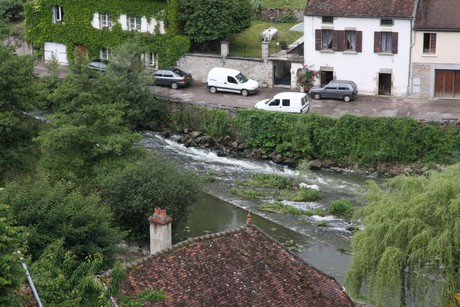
(284, 4)
(248, 43)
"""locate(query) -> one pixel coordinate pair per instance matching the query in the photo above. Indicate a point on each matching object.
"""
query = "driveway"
(422, 109)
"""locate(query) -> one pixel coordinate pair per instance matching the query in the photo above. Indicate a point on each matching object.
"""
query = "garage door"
(59, 51)
(447, 83)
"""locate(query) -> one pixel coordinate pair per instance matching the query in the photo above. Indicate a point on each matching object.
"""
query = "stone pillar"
(224, 49)
(160, 231)
(265, 51)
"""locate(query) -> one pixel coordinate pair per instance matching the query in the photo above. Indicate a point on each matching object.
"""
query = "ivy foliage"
(410, 245)
(76, 29)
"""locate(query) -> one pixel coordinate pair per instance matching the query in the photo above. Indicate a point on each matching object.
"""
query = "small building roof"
(357, 8)
(242, 267)
(440, 15)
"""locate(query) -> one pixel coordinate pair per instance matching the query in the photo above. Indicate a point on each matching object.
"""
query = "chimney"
(249, 218)
(160, 231)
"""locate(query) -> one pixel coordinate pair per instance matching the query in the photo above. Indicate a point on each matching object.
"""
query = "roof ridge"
(177, 246)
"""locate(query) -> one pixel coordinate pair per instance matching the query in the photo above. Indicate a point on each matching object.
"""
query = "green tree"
(214, 20)
(16, 97)
(136, 191)
(53, 210)
(12, 275)
(87, 135)
(410, 244)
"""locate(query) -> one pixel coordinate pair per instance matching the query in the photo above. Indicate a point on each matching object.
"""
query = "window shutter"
(377, 42)
(335, 40)
(340, 40)
(394, 37)
(359, 41)
(317, 39)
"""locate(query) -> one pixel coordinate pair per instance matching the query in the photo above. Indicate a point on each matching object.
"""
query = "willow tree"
(409, 248)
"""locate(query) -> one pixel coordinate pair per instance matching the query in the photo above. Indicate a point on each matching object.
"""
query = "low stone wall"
(254, 68)
(277, 14)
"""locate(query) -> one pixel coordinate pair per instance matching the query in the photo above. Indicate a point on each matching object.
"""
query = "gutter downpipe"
(413, 36)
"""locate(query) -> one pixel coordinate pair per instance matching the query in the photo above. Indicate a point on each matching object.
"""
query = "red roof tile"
(243, 267)
(361, 8)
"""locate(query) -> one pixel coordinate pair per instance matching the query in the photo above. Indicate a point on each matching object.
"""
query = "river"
(219, 210)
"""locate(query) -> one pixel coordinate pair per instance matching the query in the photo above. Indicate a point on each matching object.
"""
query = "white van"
(231, 80)
(292, 102)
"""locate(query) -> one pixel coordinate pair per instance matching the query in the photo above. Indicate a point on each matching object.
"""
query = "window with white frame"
(151, 59)
(134, 24)
(104, 20)
(429, 43)
(105, 53)
(386, 42)
(58, 14)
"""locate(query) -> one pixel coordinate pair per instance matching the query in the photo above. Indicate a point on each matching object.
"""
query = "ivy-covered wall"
(77, 29)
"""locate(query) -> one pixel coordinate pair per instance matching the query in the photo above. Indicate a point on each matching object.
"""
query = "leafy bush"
(341, 207)
(247, 193)
(303, 195)
(269, 181)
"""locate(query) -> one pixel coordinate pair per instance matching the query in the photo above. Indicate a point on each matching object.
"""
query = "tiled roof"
(438, 15)
(242, 267)
(361, 8)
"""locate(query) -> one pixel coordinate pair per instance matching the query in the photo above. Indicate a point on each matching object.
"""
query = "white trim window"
(106, 53)
(134, 24)
(58, 14)
(151, 59)
(104, 20)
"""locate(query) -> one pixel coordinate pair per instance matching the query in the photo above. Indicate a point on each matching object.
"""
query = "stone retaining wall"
(254, 68)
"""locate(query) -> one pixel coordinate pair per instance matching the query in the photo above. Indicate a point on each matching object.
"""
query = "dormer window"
(104, 20)
(134, 24)
(58, 14)
(386, 22)
(328, 19)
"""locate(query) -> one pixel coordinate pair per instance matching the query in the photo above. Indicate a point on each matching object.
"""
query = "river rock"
(315, 164)
(195, 134)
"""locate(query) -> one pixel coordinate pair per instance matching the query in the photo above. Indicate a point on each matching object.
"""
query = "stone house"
(58, 29)
(435, 51)
(241, 267)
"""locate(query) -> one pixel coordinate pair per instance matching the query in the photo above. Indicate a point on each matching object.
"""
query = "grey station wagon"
(173, 77)
(337, 89)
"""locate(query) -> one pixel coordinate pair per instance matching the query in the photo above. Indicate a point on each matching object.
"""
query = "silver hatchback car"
(337, 89)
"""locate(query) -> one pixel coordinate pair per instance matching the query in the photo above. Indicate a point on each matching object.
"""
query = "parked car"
(172, 77)
(231, 80)
(292, 102)
(337, 89)
(98, 64)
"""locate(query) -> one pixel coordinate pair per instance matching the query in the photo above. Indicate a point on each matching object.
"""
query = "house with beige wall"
(436, 50)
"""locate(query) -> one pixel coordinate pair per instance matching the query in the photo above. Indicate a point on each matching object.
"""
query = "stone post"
(265, 51)
(224, 49)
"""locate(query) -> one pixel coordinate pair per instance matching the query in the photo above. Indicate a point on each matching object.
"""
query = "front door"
(385, 84)
(326, 77)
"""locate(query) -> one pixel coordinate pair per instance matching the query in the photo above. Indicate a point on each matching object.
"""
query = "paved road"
(430, 110)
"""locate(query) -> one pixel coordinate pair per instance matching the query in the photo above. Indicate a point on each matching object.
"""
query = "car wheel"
(346, 98)
(244, 92)
(213, 90)
(174, 86)
(317, 96)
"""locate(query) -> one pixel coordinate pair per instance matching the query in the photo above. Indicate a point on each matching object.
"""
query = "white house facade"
(344, 40)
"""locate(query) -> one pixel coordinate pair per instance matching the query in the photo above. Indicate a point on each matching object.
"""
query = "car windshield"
(179, 72)
(241, 78)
